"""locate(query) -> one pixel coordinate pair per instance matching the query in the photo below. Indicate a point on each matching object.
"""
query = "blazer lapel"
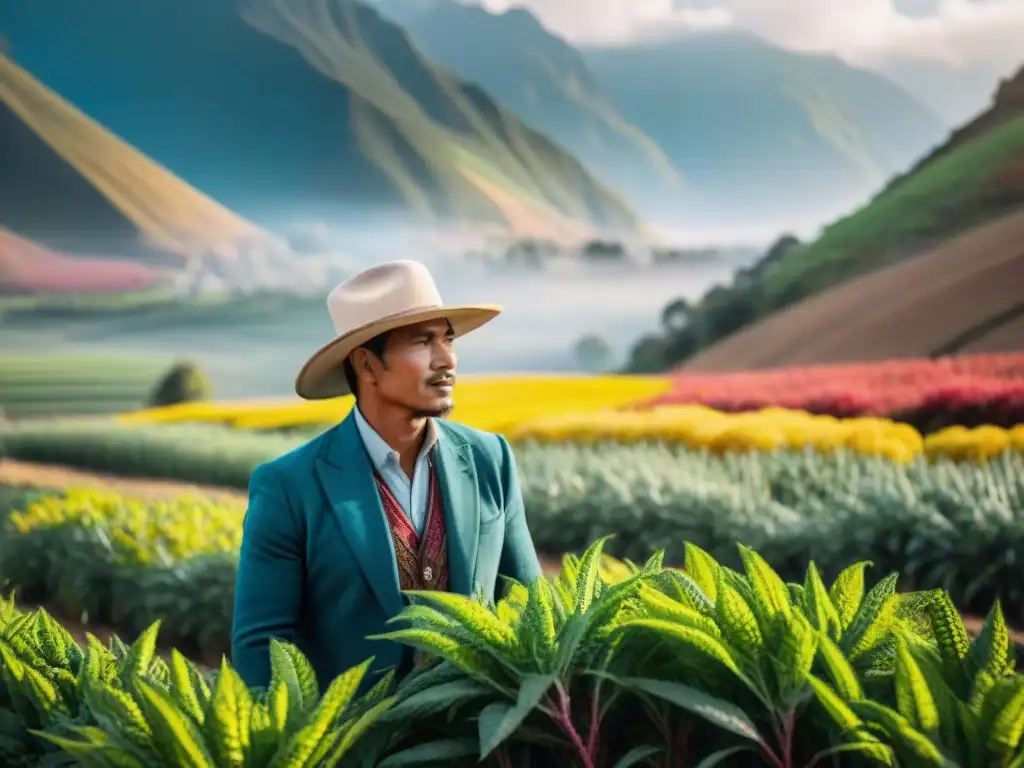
(345, 472)
(460, 488)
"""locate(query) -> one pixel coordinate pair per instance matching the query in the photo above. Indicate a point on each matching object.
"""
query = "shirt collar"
(379, 451)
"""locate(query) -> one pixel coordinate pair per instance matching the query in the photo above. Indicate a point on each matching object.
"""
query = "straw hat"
(373, 301)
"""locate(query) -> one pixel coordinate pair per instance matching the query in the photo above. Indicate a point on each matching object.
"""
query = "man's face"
(420, 368)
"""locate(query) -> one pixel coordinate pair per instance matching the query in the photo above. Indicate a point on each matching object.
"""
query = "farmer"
(392, 498)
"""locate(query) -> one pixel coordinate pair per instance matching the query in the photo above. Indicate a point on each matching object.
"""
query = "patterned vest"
(422, 563)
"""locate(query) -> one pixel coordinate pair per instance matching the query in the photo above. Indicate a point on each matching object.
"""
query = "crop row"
(772, 429)
(37, 386)
(955, 526)
(217, 455)
(657, 667)
(927, 393)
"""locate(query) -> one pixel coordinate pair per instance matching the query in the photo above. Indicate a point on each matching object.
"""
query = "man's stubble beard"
(435, 413)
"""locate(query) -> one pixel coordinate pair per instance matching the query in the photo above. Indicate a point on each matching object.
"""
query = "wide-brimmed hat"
(371, 302)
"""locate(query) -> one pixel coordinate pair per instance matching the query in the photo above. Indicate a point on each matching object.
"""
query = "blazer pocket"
(487, 523)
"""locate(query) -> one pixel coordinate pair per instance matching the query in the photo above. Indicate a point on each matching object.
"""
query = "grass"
(37, 386)
(948, 195)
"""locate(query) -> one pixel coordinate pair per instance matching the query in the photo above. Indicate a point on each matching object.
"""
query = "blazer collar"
(345, 472)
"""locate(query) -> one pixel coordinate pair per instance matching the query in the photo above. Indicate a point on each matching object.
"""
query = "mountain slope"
(28, 268)
(68, 183)
(304, 109)
(769, 138)
(918, 307)
(975, 178)
(545, 81)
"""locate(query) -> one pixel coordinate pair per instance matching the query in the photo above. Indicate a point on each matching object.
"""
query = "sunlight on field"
(485, 402)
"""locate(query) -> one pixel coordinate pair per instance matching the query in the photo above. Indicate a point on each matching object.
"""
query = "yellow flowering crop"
(493, 403)
(698, 426)
(141, 532)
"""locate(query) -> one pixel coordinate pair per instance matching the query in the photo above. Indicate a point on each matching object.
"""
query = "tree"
(592, 352)
(184, 383)
(675, 316)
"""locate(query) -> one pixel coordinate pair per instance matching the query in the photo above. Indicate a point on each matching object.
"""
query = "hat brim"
(322, 376)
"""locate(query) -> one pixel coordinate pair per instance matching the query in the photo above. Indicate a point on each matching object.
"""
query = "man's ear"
(361, 364)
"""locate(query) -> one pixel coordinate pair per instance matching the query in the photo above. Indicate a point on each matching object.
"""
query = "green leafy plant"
(126, 706)
(955, 703)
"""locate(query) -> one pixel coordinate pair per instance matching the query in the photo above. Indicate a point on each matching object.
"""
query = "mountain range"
(305, 109)
(291, 111)
(69, 184)
(753, 133)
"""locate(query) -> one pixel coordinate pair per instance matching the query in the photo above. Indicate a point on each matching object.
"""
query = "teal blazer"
(317, 565)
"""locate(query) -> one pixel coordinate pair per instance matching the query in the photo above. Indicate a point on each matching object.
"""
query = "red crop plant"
(928, 393)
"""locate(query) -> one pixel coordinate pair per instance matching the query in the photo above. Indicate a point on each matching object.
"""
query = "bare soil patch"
(14, 472)
(909, 309)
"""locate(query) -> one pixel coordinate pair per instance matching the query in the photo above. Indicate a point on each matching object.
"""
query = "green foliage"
(184, 383)
(641, 665)
(115, 706)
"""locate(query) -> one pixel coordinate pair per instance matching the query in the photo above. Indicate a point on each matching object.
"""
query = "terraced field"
(911, 309)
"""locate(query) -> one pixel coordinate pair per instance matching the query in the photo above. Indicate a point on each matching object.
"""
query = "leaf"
(691, 638)
(431, 753)
(920, 749)
(770, 593)
(435, 699)
(820, 609)
(948, 628)
(839, 670)
(914, 699)
(182, 687)
(724, 714)
(992, 651)
(499, 720)
(868, 614)
(717, 757)
(637, 755)
(702, 567)
(139, 655)
(1008, 724)
(589, 577)
(847, 591)
(290, 667)
(226, 725)
(175, 734)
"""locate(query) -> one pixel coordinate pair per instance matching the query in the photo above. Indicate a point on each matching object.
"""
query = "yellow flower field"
(493, 403)
(772, 428)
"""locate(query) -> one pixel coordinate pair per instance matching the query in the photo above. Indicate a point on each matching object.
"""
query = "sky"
(985, 34)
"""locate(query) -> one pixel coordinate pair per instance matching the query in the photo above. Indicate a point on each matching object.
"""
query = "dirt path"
(14, 472)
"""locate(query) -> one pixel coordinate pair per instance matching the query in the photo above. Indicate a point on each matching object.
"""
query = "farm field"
(925, 306)
(130, 524)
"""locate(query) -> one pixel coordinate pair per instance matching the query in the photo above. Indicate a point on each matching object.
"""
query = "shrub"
(184, 383)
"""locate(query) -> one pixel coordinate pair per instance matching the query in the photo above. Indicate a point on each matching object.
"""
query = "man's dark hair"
(376, 346)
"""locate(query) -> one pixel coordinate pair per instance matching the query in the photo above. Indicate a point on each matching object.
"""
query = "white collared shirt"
(412, 496)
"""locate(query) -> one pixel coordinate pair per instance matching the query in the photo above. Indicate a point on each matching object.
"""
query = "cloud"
(958, 33)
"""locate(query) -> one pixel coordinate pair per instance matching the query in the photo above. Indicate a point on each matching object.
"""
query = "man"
(392, 498)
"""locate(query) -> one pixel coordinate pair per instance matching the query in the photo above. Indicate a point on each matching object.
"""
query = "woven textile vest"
(422, 563)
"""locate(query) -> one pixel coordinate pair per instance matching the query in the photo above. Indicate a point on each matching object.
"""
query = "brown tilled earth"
(911, 309)
(17, 473)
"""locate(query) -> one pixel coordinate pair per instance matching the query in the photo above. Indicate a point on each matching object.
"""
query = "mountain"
(769, 138)
(545, 81)
(291, 110)
(29, 268)
(69, 184)
(861, 290)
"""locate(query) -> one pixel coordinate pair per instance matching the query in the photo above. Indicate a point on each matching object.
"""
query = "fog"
(545, 313)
